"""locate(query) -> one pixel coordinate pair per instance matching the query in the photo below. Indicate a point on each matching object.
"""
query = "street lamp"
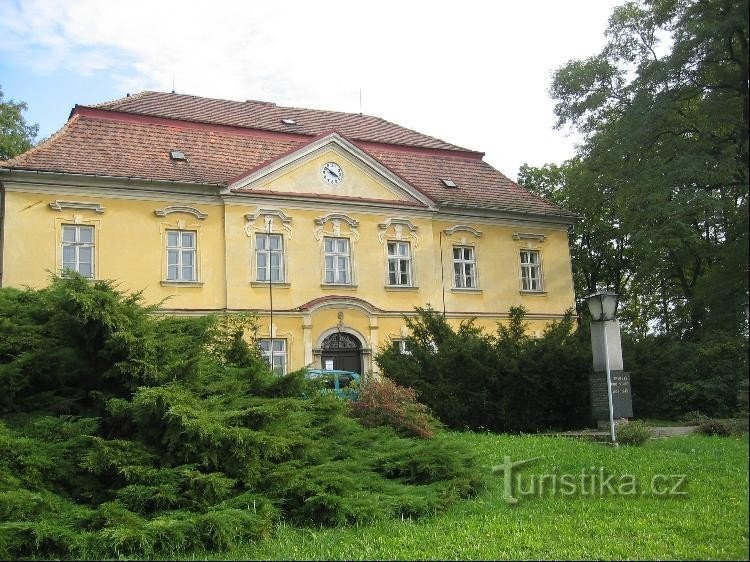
(602, 306)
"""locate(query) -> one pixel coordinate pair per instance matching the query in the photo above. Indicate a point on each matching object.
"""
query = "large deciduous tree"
(16, 136)
(663, 111)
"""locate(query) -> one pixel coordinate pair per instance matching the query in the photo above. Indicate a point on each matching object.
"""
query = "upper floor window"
(464, 267)
(78, 249)
(274, 353)
(181, 254)
(269, 258)
(531, 271)
(337, 260)
(399, 264)
(401, 346)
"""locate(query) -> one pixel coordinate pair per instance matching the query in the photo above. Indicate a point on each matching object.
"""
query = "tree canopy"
(661, 178)
(16, 136)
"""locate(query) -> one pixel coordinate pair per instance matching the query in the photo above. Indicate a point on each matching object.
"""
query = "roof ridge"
(18, 159)
(124, 98)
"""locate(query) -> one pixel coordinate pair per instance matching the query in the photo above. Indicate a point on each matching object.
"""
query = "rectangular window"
(531, 272)
(78, 249)
(337, 260)
(464, 267)
(181, 254)
(399, 264)
(274, 352)
(269, 258)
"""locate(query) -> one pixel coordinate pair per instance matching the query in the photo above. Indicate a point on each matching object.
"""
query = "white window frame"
(468, 268)
(397, 259)
(77, 245)
(264, 252)
(276, 358)
(531, 272)
(337, 258)
(401, 345)
(181, 251)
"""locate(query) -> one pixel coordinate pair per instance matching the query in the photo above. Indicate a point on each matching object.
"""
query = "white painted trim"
(58, 205)
(462, 228)
(529, 236)
(320, 221)
(164, 211)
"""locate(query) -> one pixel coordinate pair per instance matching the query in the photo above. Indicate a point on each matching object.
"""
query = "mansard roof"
(132, 138)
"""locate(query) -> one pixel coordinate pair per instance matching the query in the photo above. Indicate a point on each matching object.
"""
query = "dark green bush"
(633, 433)
(127, 434)
(671, 377)
(474, 380)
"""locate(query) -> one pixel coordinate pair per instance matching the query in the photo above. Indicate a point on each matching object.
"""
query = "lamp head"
(602, 305)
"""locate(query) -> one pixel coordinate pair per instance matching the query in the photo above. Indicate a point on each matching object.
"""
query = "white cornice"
(352, 151)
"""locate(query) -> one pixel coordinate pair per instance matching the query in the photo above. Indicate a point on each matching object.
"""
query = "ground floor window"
(274, 352)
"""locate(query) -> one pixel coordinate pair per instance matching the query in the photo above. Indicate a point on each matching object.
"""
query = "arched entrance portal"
(341, 351)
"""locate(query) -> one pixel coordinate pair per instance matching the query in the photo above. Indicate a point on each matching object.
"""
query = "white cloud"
(474, 73)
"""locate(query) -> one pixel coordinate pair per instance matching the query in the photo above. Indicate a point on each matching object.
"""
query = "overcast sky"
(473, 73)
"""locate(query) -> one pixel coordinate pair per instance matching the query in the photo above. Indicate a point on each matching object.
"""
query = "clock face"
(332, 173)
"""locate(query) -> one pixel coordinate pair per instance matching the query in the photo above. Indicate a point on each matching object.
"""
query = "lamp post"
(602, 306)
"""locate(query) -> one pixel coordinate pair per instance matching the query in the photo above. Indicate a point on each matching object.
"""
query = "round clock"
(332, 173)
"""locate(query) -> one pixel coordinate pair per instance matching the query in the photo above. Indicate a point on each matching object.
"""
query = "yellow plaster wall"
(129, 245)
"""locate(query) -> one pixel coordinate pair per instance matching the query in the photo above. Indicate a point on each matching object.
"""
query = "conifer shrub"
(127, 434)
(382, 402)
(505, 381)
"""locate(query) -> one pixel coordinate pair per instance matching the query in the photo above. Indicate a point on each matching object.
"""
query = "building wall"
(130, 248)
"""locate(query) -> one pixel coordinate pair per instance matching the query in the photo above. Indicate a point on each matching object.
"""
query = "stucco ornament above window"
(164, 211)
(270, 219)
(58, 205)
(462, 228)
(529, 236)
(398, 229)
(333, 223)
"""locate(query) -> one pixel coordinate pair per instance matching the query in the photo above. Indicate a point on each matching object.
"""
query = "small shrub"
(382, 402)
(694, 418)
(633, 433)
(722, 428)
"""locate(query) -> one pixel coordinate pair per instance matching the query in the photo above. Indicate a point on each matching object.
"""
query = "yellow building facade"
(327, 240)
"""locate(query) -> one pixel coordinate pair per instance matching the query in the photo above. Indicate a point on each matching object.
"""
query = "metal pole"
(609, 386)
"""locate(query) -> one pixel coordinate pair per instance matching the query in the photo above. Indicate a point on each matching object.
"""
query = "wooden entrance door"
(342, 351)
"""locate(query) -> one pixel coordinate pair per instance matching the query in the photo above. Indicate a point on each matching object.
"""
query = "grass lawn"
(709, 521)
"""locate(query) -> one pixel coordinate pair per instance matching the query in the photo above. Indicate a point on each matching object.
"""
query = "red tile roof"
(111, 143)
(267, 116)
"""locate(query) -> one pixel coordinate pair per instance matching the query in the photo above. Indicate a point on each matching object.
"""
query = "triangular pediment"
(330, 166)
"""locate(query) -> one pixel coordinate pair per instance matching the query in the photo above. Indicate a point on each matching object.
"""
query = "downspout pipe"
(2, 230)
